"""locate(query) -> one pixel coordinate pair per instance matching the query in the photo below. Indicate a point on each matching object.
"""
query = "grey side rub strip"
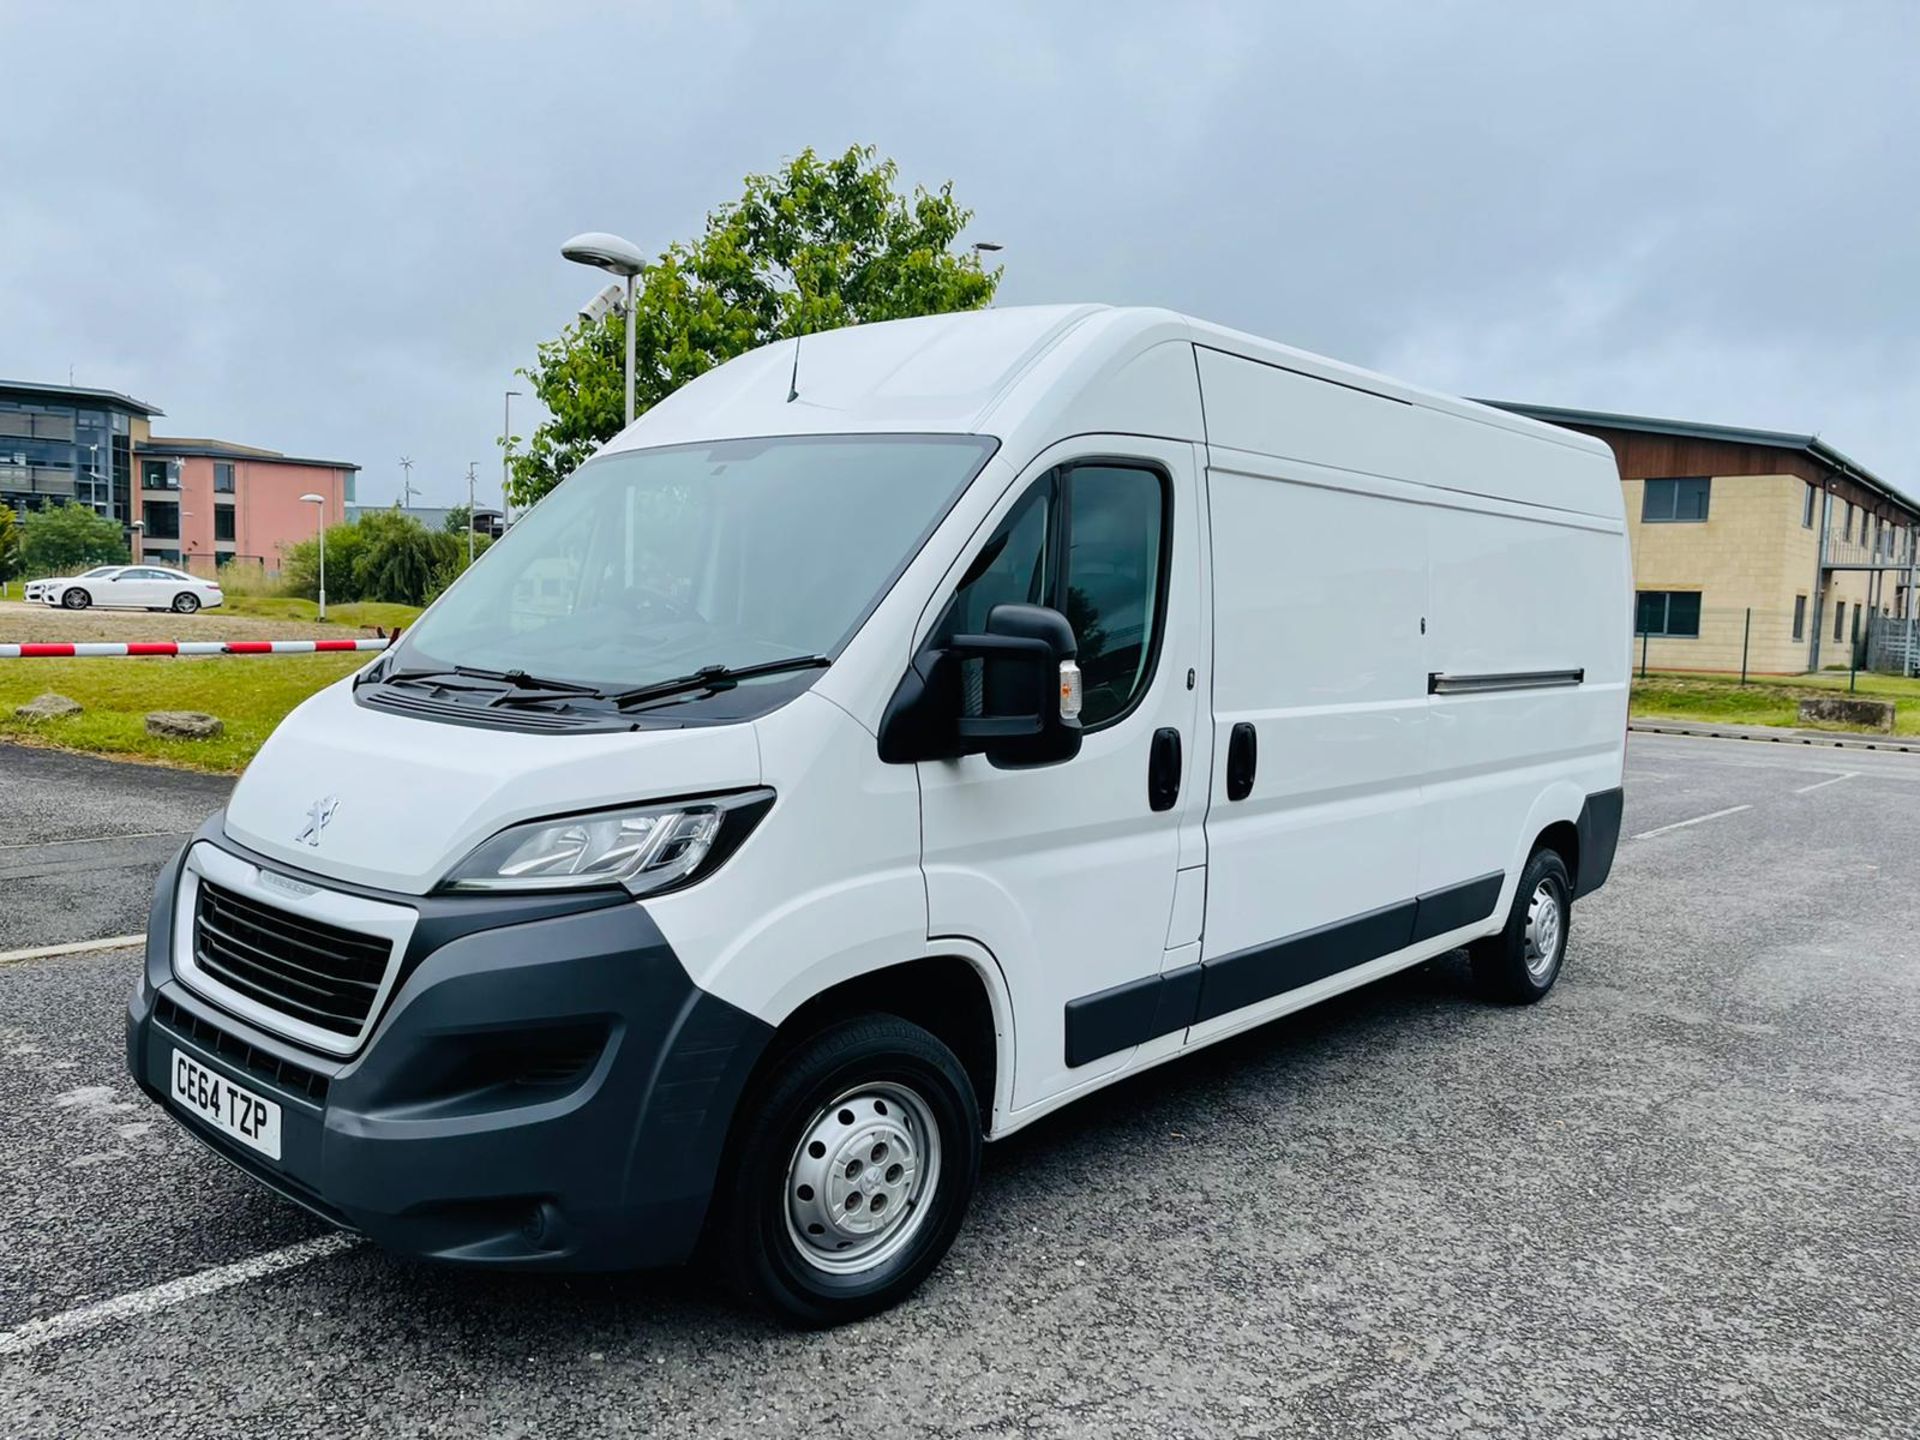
(1141, 1010)
(1439, 684)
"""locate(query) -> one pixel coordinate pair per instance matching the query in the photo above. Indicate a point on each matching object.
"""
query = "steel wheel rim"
(846, 1210)
(1546, 930)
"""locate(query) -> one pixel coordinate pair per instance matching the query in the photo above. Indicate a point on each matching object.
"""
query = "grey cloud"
(335, 231)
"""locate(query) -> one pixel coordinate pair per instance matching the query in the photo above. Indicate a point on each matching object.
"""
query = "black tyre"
(849, 1172)
(76, 599)
(1520, 964)
(185, 603)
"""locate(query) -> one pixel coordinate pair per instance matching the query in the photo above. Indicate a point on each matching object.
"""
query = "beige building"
(1753, 542)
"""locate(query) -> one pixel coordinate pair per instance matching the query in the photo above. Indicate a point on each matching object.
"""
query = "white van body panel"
(1338, 538)
(1062, 872)
(1317, 596)
(1359, 534)
(1349, 420)
(832, 893)
(413, 798)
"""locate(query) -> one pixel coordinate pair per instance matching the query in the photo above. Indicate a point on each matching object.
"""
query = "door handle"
(1163, 769)
(1243, 757)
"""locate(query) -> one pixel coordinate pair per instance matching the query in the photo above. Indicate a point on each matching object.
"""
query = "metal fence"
(1893, 645)
(1674, 632)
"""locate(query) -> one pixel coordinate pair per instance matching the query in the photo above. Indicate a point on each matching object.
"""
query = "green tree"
(65, 538)
(384, 555)
(819, 244)
(459, 520)
(11, 558)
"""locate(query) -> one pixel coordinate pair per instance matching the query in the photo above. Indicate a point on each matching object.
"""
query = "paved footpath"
(1680, 1197)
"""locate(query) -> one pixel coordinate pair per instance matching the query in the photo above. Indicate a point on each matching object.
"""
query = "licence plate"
(226, 1106)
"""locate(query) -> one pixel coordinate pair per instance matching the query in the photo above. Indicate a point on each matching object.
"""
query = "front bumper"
(545, 1087)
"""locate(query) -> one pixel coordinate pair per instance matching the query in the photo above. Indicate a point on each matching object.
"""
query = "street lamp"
(621, 257)
(139, 530)
(320, 528)
(983, 248)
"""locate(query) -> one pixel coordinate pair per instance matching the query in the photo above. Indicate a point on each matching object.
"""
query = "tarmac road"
(1680, 1197)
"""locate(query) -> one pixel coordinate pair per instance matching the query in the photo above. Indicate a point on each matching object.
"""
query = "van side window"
(1114, 518)
(1113, 582)
(1012, 568)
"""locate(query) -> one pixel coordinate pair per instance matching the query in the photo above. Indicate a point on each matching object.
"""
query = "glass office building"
(68, 444)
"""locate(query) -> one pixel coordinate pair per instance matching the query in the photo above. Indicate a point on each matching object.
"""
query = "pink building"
(207, 503)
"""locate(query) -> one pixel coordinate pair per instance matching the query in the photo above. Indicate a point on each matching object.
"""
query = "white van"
(887, 739)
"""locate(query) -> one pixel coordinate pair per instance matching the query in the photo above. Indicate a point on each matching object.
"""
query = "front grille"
(310, 970)
(261, 1064)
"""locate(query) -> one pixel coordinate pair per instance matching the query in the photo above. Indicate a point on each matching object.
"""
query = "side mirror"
(1011, 693)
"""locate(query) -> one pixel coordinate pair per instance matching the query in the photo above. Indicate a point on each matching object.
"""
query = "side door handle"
(1163, 769)
(1243, 757)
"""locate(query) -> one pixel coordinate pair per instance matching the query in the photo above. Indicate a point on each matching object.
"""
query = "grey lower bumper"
(550, 1090)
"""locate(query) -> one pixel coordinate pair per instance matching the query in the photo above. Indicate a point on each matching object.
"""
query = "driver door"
(1067, 873)
(130, 587)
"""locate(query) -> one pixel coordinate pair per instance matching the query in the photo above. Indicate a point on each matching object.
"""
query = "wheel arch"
(1553, 823)
(955, 992)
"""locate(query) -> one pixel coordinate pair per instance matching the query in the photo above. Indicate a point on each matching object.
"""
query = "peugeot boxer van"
(886, 740)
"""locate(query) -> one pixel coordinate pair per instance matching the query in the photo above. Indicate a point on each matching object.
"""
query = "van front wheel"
(1520, 964)
(850, 1172)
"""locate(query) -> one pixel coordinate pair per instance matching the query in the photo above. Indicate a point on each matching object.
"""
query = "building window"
(158, 475)
(1672, 613)
(223, 522)
(1839, 619)
(163, 520)
(1847, 532)
(1677, 500)
(1806, 509)
(223, 477)
(1799, 617)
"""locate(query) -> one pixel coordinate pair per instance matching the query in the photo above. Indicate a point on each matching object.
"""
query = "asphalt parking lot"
(1680, 1197)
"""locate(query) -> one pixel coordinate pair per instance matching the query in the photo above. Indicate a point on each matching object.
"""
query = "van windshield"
(649, 565)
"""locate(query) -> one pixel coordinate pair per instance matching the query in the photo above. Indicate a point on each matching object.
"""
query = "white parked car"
(36, 590)
(129, 587)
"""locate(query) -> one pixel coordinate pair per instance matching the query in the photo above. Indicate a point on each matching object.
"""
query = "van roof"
(996, 372)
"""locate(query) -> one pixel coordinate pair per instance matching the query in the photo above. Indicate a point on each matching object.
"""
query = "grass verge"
(355, 614)
(251, 694)
(1767, 701)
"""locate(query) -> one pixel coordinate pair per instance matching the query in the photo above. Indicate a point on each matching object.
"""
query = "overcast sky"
(335, 231)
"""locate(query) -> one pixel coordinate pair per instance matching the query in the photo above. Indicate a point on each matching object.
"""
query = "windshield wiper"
(713, 678)
(522, 686)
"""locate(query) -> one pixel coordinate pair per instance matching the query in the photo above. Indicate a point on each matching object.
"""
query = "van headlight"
(648, 848)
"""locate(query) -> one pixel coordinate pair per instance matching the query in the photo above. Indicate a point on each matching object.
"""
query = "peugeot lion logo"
(318, 814)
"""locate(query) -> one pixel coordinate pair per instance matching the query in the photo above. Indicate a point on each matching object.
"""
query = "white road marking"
(1697, 820)
(95, 839)
(69, 1323)
(1821, 785)
(79, 947)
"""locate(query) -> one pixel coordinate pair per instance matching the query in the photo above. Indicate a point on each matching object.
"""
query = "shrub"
(65, 538)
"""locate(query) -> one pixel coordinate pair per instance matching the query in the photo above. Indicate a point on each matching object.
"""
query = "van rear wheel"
(850, 1172)
(1519, 965)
